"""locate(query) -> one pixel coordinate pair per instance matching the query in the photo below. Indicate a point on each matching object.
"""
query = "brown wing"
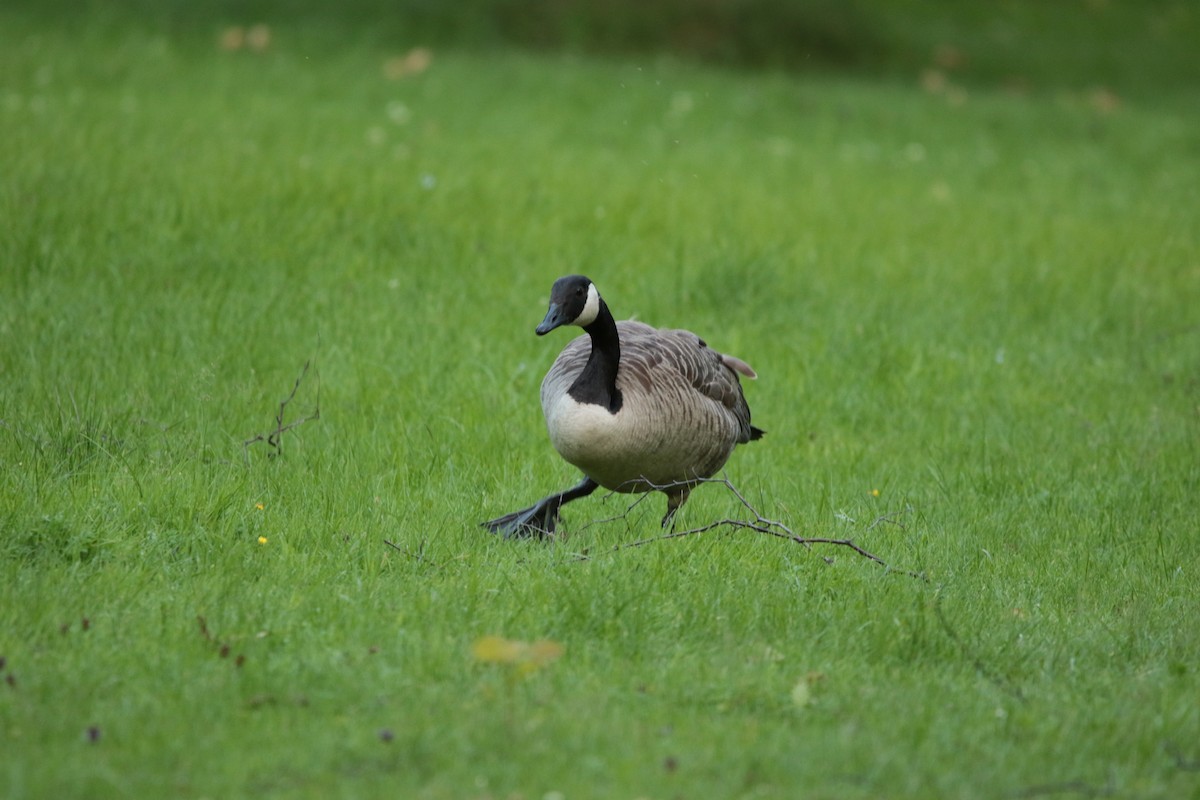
(651, 356)
(684, 411)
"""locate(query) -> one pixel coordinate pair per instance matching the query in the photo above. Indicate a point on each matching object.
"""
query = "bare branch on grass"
(757, 524)
(1182, 762)
(418, 556)
(976, 660)
(1084, 789)
(274, 438)
(890, 519)
(1079, 788)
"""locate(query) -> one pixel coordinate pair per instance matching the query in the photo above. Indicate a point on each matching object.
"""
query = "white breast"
(592, 439)
(682, 415)
(628, 453)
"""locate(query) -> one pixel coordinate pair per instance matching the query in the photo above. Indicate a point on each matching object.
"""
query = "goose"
(635, 408)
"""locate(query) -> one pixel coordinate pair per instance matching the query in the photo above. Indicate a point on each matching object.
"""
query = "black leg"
(675, 499)
(541, 518)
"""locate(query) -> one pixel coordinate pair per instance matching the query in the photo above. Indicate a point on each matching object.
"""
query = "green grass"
(980, 305)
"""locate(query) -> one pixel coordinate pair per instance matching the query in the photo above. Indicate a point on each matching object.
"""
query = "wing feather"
(654, 360)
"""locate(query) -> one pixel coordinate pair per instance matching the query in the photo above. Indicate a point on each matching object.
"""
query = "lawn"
(971, 302)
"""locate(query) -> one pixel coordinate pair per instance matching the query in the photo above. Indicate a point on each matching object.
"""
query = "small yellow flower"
(259, 506)
(262, 540)
(874, 493)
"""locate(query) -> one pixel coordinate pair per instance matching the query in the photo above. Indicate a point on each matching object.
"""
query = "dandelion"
(874, 493)
(262, 540)
(259, 506)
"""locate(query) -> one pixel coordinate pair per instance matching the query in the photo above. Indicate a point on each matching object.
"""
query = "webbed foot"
(539, 520)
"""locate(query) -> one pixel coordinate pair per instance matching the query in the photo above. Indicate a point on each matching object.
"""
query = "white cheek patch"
(591, 309)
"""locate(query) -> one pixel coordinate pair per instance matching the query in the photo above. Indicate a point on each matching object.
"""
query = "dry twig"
(274, 438)
(1182, 762)
(1081, 788)
(976, 660)
(418, 556)
(759, 524)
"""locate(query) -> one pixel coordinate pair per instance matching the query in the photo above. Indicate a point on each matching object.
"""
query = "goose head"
(573, 301)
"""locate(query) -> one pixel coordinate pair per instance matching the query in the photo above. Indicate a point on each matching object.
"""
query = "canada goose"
(634, 407)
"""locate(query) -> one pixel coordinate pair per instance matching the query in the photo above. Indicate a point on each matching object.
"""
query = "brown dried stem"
(759, 524)
(274, 438)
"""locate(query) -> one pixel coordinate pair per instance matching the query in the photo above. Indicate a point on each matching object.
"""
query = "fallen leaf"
(802, 692)
(258, 38)
(947, 56)
(544, 651)
(1104, 100)
(524, 657)
(495, 650)
(233, 38)
(414, 62)
(933, 81)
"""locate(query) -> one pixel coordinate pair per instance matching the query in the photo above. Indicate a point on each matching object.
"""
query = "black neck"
(597, 384)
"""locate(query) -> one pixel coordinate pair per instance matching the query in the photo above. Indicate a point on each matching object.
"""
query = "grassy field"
(972, 305)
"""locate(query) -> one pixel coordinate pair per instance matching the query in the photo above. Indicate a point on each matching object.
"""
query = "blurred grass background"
(1144, 46)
